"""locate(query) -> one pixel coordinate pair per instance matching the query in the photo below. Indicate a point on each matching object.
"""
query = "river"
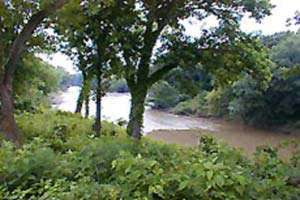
(116, 106)
(180, 129)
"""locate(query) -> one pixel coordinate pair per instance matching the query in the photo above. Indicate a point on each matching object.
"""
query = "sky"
(275, 23)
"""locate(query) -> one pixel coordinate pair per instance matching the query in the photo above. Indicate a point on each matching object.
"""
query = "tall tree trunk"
(135, 124)
(87, 93)
(81, 95)
(97, 125)
(87, 103)
(8, 124)
(80, 100)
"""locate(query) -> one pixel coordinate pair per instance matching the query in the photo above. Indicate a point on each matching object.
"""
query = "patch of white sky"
(276, 22)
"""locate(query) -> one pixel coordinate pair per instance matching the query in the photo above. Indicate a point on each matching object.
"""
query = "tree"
(39, 78)
(75, 47)
(19, 31)
(149, 35)
(88, 36)
(272, 40)
(84, 94)
(287, 52)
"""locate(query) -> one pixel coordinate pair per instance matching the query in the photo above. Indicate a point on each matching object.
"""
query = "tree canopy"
(151, 42)
(142, 40)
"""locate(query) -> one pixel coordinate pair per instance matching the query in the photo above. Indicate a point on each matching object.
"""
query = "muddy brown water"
(183, 130)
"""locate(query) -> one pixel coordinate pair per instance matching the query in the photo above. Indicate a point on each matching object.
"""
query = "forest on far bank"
(277, 102)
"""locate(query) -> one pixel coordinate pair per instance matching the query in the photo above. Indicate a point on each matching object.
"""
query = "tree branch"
(18, 45)
(151, 36)
(160, 73)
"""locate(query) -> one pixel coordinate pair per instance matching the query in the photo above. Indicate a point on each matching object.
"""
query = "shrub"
(278, 104)
(164, 96)
(195, 106)
(113, 167)
(218, 102)
(58, 128)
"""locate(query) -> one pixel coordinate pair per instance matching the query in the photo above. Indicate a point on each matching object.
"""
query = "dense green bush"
(276, 105)
(195, 106)
(163, 96)
(246, 99)
(115, 167)
(61, 128)
(207, 104)
(248, 102)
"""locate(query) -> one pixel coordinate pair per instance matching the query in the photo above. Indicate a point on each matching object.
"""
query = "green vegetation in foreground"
(61, 159)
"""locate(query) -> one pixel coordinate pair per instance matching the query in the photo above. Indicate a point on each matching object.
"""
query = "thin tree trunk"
(8, 124)
(81, 95)
(87, 104)
(97, 125)
(135, 125)
(87, 93)
(80, 100)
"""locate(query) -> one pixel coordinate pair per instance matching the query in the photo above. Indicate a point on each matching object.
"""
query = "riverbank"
(247, 140)
(183, 130)
(288, 128)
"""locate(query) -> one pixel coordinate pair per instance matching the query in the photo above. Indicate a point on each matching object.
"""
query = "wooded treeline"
(194, 92)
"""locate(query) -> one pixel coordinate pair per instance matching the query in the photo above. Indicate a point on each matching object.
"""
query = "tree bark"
(87, 93)
(81, 96)
(87, 104)
(138, 91)
(80, 100)
(97, 125)
(136, 117)
(8, 126)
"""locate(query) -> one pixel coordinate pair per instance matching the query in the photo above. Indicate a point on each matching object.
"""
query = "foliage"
(213, 103)
(271, 41)
(39, 78)
(248, 102)
(112, 167)
(195, 106)
(148, 40)
(278, 103)
(189, 81)
(118, 86)
(163, 96)
(69, 80)
(287, 52)
(180, 85)
(249, 98)
(14, 15)
(59, 127)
